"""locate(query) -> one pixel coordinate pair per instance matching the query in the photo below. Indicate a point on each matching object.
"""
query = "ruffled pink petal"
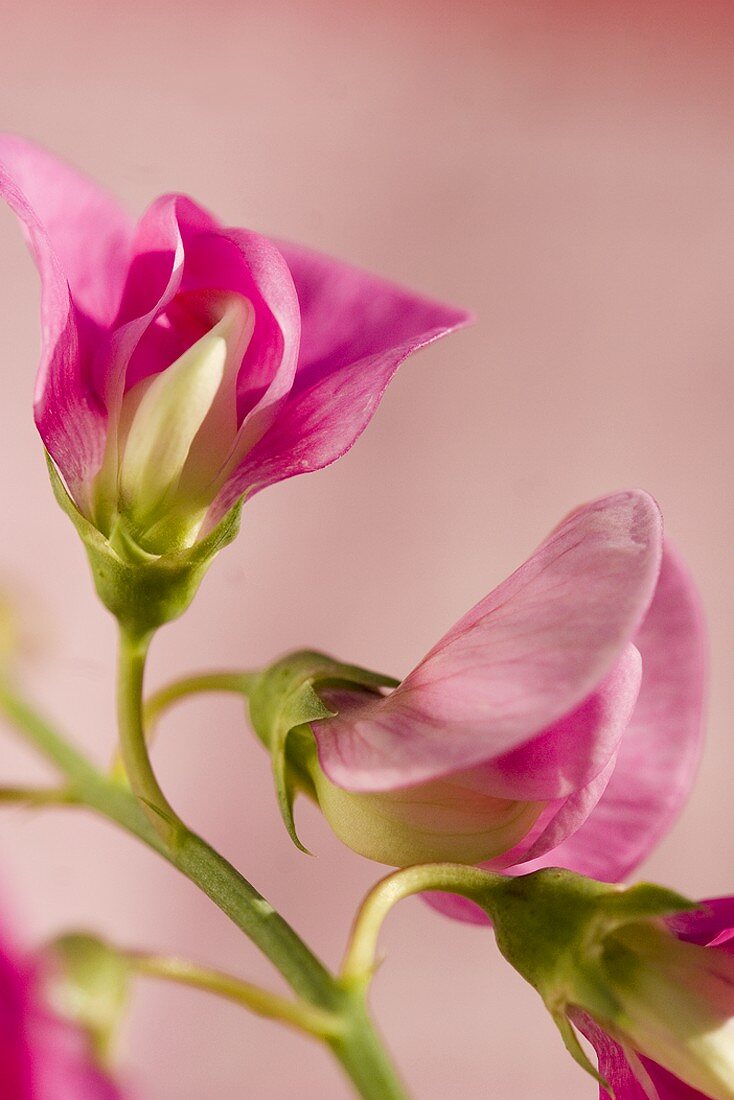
(80, 240)
(528, 654)
(659, 752)
(356, 330)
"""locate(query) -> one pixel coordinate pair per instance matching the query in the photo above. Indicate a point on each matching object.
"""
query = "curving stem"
(357, 1045)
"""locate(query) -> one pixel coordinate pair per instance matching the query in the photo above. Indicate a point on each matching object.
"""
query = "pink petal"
(181, 249)
(62, 1066)
(15, 1067)
(528, 654)
(80, 240)
(616, 1070)
(558, 820)
(659, 752)
(711, 925)
(71, 222)
(41, 1056)
(356, 330)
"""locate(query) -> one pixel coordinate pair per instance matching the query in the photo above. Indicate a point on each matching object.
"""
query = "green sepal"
(644, 901)
(87, 982)
(284, 700)
(144, 591)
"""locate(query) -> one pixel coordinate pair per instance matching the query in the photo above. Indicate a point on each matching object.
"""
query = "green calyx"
(555, 927)
(284, 699)
(143, 591)
(87, 983)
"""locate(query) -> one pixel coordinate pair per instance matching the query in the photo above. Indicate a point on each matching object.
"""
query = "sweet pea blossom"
(673, 1037)
(559, 721)
(185, 364)
(42, 1057)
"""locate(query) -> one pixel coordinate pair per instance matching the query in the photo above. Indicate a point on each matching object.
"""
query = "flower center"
(174, 435)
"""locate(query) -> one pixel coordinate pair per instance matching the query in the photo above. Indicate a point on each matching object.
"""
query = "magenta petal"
(528, 654)
(42, 1057)
(80, 240)
(15, 1066)
(356, 330)
(616, 1070)
(712, 924)
(71, 222)
(659, 753)
(61, 1064)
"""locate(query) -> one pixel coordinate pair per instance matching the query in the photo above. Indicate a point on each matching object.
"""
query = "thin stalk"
(228, 682)
(456, 878)
(237, 683)
(133, 651)
(37, 796)
(262, 1002)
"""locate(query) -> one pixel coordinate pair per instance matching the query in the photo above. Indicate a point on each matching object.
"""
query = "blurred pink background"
(567, 171)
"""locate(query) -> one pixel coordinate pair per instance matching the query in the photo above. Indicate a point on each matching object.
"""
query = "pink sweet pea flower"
(559, 722)
(185, 364)
(42, 1057)
(674, 1037)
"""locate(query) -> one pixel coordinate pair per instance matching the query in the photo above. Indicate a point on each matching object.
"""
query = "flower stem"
(455, 878)
(237, 683)
(298, 1013)
(358, 1048)
(229, 682)
(133, 651)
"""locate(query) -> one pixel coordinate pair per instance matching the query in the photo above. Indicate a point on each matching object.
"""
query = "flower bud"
(447, 819)
(86, 983)
(603, 952)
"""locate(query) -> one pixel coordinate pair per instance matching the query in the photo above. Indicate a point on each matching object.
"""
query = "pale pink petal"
(571, 752)
(659, 752)
(356, 330)
(528, 654)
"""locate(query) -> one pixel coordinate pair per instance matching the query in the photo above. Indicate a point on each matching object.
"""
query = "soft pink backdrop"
(567, 171)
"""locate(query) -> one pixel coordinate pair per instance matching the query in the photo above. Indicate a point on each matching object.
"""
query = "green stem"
(299, 1014)
(237, 683)
(358, 1049)
(133, 651)
(37, 796)
(455, 878)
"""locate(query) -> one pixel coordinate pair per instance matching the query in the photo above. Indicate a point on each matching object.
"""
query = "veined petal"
(528, 654)
(356, 330)
(659, 753)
